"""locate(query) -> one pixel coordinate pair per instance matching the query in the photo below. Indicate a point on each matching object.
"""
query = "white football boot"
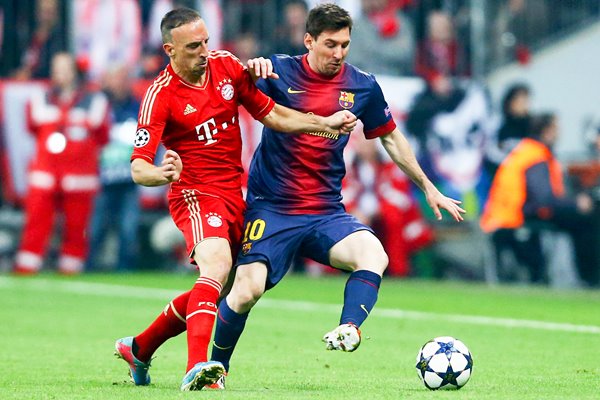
(345, 337)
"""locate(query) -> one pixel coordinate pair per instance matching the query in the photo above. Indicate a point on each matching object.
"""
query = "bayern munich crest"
(142, 137)
(226, 89)
(214, 220)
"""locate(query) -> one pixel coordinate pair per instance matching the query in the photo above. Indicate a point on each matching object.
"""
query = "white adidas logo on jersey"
(188, 110)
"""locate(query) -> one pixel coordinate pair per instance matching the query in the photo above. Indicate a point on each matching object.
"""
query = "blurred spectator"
(258, 17)
(153, 11)
(379, 195)
(117, 206)
(519, 25)
(48, 38)
(529, 190)
(439, 54)
(513, 127)
(23, 25)
(16, 22)
(452, 122)
(69, 125)
(586, 174)
(440, 95)
(106, 32)
(289, 37)
(153, 57)
(245, 46)
(516, 116)
(383, 39)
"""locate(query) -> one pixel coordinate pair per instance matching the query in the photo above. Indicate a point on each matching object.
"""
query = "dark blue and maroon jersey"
(302, 173)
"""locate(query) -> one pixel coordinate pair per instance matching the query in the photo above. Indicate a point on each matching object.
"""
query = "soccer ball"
(444, 363)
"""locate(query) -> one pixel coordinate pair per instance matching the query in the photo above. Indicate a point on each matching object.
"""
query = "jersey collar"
(318, 76)
(187, 84)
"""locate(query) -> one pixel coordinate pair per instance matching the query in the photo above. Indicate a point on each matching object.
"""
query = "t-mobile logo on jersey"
(208, 129)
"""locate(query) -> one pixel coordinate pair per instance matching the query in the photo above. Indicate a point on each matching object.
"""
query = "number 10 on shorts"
(254, 230)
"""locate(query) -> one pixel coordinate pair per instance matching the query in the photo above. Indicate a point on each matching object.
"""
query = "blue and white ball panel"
(444, 363)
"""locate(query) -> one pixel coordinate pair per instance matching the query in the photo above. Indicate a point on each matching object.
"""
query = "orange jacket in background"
(504, 208)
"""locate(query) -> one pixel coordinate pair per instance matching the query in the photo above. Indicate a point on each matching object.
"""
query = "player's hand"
(261, 68)
(437, 201)
(171, 166)
(341, 122)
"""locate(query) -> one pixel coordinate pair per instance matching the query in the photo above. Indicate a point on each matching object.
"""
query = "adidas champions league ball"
(444, 363)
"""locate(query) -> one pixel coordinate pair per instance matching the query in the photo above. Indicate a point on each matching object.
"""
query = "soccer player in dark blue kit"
(294, 200)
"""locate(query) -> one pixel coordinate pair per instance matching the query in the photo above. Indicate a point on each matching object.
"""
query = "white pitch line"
(112, 290)
(394, 313)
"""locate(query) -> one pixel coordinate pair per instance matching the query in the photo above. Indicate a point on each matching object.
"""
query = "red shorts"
(201, 215)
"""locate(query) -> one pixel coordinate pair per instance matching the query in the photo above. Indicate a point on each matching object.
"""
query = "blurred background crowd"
(471, 82)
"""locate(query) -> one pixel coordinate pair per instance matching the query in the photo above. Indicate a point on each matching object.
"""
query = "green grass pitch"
(57, 337)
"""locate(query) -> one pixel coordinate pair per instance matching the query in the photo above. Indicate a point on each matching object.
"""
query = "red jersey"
(82, 122)
(201, 123)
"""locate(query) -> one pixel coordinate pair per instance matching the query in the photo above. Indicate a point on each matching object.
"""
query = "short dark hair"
(174, 19)
(539, 123)
(512, 92)
(327, 17)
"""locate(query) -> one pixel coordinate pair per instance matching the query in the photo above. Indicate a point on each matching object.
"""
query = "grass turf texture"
(57, 338)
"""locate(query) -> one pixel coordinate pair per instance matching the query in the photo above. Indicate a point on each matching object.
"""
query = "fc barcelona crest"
(246, 247)
(346, 99)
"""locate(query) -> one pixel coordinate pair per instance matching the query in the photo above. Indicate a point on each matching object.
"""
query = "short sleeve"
(377, 118)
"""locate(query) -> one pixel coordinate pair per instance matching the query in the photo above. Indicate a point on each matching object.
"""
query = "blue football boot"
(202, 374)
(137, 370)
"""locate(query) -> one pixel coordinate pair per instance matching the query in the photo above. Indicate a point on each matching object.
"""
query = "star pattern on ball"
(444, 363)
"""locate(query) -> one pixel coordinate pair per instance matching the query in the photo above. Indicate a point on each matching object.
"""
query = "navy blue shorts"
(275, 239)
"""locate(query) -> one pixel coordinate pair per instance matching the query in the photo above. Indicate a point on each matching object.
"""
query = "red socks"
(170, 323)
(200, 316)
(195, 311)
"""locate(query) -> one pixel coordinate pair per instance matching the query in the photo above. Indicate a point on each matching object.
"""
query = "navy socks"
(360, 296)
(230, 326)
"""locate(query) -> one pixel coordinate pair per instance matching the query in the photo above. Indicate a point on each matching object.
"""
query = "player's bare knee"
(380, 262)
(213, 262)
(376, 261)
(249, 297)
(216, 268)
(244, 294)
(249, 285)
(360, 251)
(374, 257)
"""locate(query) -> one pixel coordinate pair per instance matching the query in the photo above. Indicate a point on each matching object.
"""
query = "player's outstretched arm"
(261, 68)
(146, 174)
(285, 119)
(398, 148)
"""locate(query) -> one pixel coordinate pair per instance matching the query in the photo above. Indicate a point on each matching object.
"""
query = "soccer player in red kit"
(192, 108)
